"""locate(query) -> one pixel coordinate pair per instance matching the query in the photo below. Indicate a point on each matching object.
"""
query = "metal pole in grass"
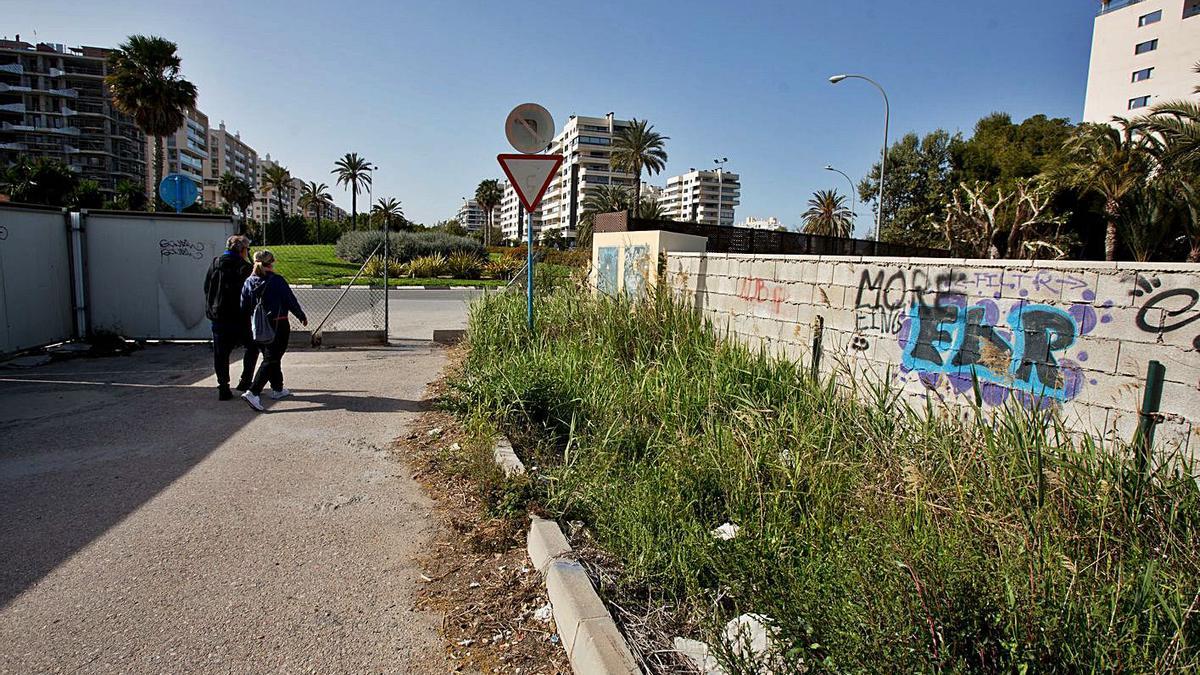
(529, 270)
(1151, 401)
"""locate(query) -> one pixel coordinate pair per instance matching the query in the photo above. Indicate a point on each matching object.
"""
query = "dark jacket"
(223, 288)
(277, 296)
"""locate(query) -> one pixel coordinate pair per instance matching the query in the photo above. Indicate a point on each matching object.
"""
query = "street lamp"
(720, 186)
(829, 167)
(887, 114)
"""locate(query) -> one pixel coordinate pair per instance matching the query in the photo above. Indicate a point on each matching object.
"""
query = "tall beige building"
(228, 153)
(697, 196)
(266, 204)
(186, 152)
(1143, 53)
(53, 103)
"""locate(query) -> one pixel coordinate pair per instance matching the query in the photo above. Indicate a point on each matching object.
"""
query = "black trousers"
(271, 369)
(226, 338)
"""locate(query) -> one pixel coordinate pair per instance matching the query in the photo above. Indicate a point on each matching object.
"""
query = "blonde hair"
(262, 259)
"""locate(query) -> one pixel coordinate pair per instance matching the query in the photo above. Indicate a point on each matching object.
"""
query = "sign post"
(529, 129)
(178, 191)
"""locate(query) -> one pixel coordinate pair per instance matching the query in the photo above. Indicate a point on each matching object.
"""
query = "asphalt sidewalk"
(147, 527)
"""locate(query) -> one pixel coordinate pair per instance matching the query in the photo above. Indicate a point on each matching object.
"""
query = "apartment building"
(186, 152)
(1143, 53)
(697, 196)
(511, 218)
(53, 103)
(770, 223)
(227, 153)
(266, 204)
(586, 145)
(472, 216)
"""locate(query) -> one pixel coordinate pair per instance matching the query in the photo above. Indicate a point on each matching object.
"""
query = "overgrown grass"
(876, 537)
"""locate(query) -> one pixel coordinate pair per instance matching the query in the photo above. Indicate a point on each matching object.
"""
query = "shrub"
(427, 267)
(503, 267)
(463, 265)
(374, 268)
(404, 246)
(877, 537)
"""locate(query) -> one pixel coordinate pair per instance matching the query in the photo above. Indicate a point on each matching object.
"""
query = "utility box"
(627, 262)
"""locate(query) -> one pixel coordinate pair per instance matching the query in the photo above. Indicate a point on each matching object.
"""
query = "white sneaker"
(253, 401)
(282, 393)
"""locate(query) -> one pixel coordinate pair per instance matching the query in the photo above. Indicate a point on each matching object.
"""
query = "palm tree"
(1110, 161)
(827, 215)
(276, 179)
(237, 193)
(145, 83)
(488, 196)
(599, 199)
(129, 195)
(636, 147)
(386, 210)
(355, 173)
(316, 196)
(650, 209)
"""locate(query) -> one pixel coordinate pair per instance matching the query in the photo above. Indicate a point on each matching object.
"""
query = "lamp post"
(829, 167)
(887, 114)
(720, 186)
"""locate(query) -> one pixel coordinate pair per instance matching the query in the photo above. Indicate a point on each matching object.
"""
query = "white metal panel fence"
(35, 278)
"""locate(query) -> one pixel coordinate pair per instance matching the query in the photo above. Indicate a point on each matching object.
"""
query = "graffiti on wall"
(761, 291)
(1180, 307)
(637, 269)
(606, 269)
(181, 247)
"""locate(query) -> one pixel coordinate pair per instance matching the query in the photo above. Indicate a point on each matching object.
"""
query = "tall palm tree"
(1110, 161)
(650, 209)
(130, 195)
(315, 196)
(145, 83)
(828, 215)
(488, 195)
(636, 147)
(599, 199)
(276, 180)
(386, 210)
(355, 173)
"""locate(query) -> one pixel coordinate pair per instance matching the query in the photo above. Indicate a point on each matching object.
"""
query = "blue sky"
(422, 88)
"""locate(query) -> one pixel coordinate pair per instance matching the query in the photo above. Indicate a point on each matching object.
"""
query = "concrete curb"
(593, 643)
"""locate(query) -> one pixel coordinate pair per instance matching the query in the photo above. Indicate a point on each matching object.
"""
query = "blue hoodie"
(278, 298)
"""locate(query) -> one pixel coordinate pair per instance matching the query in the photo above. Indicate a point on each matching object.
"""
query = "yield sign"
(530, 175)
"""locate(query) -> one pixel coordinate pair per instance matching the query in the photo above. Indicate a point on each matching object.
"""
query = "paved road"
(147, 527)
(413, 315)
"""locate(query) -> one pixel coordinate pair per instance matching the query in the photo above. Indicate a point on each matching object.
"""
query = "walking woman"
(263, 285)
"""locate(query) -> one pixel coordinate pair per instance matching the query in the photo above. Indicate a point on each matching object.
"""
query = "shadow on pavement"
(362, 404)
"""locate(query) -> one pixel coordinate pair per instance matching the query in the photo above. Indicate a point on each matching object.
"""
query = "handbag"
(262, 328)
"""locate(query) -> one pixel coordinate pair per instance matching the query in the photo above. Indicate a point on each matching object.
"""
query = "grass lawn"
(316, 264)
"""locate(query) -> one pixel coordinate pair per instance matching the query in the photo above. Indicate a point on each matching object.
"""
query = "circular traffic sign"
(178, 191)
(529, 128)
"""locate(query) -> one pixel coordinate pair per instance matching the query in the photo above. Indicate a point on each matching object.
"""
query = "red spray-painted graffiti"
(753, 289)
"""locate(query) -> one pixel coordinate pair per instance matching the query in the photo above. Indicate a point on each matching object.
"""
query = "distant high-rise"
(696, 196)
(53, 103)
(1143, 53)
(586, 145)
(227, 153)
(186, 152)
(473, 217)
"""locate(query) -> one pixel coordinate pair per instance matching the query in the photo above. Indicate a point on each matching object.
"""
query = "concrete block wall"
(1072, 335)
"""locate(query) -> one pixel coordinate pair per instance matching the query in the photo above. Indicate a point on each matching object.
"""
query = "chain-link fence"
(337, 295)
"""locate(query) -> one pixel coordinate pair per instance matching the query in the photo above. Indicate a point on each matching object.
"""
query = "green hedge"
(404, 246)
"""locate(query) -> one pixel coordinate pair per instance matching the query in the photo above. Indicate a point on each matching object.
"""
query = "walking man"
(230, 324)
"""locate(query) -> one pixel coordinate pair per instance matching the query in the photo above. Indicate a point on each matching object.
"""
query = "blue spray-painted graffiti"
(606, 272)
(637, 269)
(1023, 357)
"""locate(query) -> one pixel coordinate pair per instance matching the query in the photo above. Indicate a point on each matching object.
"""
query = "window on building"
(1192, 8)
(1139, 102)
(1143, 74)
(1147, 46)
(1152, 17)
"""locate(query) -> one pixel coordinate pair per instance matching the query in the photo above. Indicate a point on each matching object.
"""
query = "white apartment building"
(696, 197)
(1143, 53)
(511, 217)
(266, 204)
(227, 153)
(770, 223)
(473, 217)
(585, 144)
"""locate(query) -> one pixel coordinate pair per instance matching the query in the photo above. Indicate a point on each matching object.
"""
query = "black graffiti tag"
(3, 233)
(1173, 319)
(183, 247)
